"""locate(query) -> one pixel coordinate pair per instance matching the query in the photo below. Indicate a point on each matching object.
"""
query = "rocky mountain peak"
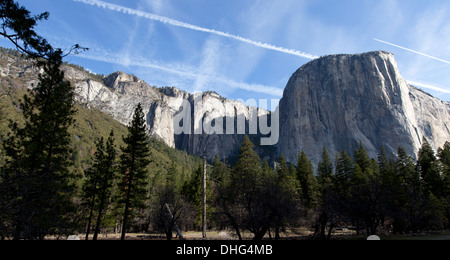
(127, 84)
(339, 100)
(120, 76)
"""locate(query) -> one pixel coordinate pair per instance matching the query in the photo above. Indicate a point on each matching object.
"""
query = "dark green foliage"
(99, 181)
(248, 184)
(344, 169)
(308, 183)
(240, 194)
(169, 204)
(327, 212)
(133, 167)
(220, 171)
(254, 197)
(325, 173)
(429, 169)
(444, 159)
(362, 159)
(282, 168)
(36, 170)
(35, 173)
(283, 198)
(18, 26)
(366, 209)
(193, 192)
(444, 156)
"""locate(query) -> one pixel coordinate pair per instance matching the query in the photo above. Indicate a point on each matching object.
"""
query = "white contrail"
(166, 20)
(416, 52)
(428, 86)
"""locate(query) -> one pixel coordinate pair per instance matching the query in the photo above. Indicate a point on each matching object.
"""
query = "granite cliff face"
(339, 100)
(206, 126)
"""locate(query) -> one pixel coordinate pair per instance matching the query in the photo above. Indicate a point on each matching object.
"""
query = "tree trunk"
(128, 199)
(90, 217)
(330, 231)
(126, 212)
(259, 235)
(125, 218)
(233, 223)
(99, 218)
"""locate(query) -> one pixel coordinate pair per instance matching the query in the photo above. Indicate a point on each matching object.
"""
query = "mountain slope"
(17, 74)
(337, 101)
(119, 93)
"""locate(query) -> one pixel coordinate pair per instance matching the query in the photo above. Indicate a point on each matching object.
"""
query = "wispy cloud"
(166, 20)
(211, 57)
(428, 86)
(410, 50)
(182, 71)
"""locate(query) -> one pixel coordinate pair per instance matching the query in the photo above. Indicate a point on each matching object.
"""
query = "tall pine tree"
(106, 173)
(247, 187)
(36, 174)
(35, 182)
(326, 214)
(406, 205)
(91, 183)
(133, 167)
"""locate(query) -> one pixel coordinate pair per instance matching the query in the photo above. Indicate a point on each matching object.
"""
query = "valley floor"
(301, 235)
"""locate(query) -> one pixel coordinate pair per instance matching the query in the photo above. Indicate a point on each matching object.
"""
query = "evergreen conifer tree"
(247, 184)
(363, 159)
(307, 180)
(410, 196)
(444, 158)
(35, 183)
(325, 173)
(386, 168)
(133, 167)
(282, 167)
(344, 169)
(247, 169)
(106, 179)
(90, 189)
(325, 179)
(220, 171)
(36, 172)
(429, 169)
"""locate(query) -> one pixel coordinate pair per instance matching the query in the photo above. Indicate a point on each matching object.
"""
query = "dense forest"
(66, 169)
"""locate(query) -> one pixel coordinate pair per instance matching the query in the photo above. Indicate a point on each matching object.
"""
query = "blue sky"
(246, 49)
